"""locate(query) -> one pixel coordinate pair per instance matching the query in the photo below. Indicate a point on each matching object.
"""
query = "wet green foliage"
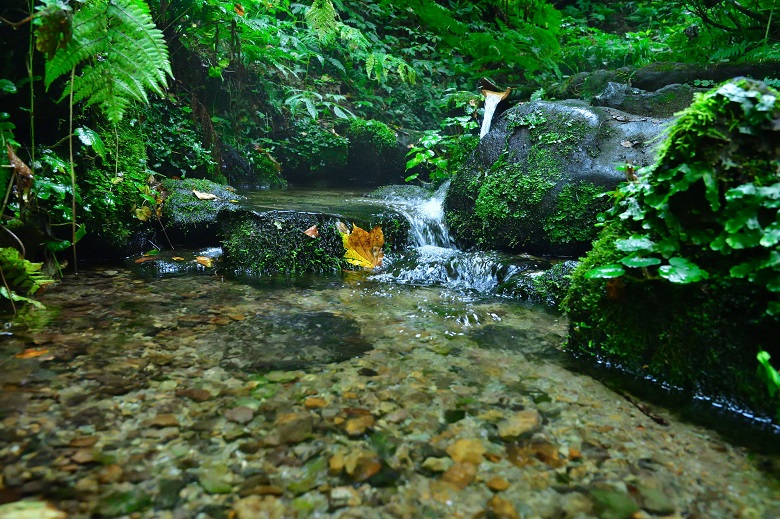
(173, 145)
(710, 204)
(684, 278)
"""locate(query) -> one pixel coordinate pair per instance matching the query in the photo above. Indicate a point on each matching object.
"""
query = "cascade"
(434, 259)
(425, 217)
(491, 102)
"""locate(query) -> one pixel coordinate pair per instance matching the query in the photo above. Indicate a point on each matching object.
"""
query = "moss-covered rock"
(664, 102)
(190, 218)
(275, 242)
(682, 284)
(536, 181)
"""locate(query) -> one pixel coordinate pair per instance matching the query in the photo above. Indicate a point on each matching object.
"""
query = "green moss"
(111, 188)
(375, 133)
(185, 210)
(274, 243)
(576, 209)
(711, 201)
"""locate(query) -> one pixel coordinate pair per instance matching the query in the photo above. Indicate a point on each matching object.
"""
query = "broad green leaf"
(682, 271)
(7, 87)
(91, 138)
(743, 269)
(771, 235)
(740, 192)
(744, 240)
(639, 262)
(637, 242)
(340, 113)
(711, 191)
(607, 271)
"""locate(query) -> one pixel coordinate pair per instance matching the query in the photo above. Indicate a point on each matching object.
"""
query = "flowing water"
(425, 389)
(491, 102)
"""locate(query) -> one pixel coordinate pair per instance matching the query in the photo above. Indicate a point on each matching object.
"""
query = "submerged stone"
(285, 340)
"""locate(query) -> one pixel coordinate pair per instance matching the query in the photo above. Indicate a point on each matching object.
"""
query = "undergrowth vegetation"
(267, 87)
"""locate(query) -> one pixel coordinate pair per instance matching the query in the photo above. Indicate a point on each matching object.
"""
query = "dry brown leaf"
(21, 169)
(364, 249)
(30, 353)
(200, 195)
(312, 232)
(205, 261)
(145, 258)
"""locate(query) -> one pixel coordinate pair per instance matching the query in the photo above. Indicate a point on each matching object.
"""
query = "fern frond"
(22, 275)
(322, 19)
(121, 53)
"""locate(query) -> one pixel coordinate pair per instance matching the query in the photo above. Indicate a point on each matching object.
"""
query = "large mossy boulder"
(537, 180)
(682, 285)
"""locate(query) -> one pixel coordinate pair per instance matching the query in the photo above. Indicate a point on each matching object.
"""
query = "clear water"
(116, 345)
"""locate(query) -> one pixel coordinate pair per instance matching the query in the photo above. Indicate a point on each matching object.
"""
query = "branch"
(747, 12)
(17, 24)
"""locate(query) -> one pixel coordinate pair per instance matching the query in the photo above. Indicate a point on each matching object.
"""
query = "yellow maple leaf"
(363, 248)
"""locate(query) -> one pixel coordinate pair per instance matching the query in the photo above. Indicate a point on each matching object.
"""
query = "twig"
(660, 420)
(8, 289)
(15, 237)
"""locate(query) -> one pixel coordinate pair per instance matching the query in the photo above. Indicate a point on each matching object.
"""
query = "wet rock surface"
(115, 404)
(536, 181)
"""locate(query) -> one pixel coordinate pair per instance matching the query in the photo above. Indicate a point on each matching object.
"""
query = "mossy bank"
(682, 283)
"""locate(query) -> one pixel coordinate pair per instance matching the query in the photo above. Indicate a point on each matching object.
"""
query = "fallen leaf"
(30, 353)
(177, 258)
(312, 232)
(239, 9)
(143, 213)
(205, 261)
(145, 258)
(204, 196)
(364, 249)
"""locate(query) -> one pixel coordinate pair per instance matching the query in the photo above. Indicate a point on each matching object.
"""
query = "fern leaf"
(322, 19)
(122, 56)
(22, 275)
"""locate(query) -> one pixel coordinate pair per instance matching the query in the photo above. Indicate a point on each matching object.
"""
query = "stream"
(427, 389)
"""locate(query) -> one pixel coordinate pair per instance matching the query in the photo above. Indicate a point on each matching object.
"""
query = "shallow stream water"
(417, 391)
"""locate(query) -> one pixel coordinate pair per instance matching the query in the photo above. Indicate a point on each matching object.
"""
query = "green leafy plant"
(710, 204)
(21, 278)
(119, 51)
(769, 374)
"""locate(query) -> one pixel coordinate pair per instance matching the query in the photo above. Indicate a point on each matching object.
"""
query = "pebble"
(240, 414)
(519, 424)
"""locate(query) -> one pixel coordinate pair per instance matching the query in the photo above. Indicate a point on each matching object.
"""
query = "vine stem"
(72, 176)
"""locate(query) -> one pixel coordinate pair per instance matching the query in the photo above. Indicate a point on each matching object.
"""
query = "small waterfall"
(426, 218)
(491, 102)
(435, 260)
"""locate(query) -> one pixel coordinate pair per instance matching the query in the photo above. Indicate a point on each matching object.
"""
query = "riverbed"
(411, 392)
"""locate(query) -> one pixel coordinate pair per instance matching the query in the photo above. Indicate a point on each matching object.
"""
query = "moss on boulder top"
(683, 283)
(536, 181)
